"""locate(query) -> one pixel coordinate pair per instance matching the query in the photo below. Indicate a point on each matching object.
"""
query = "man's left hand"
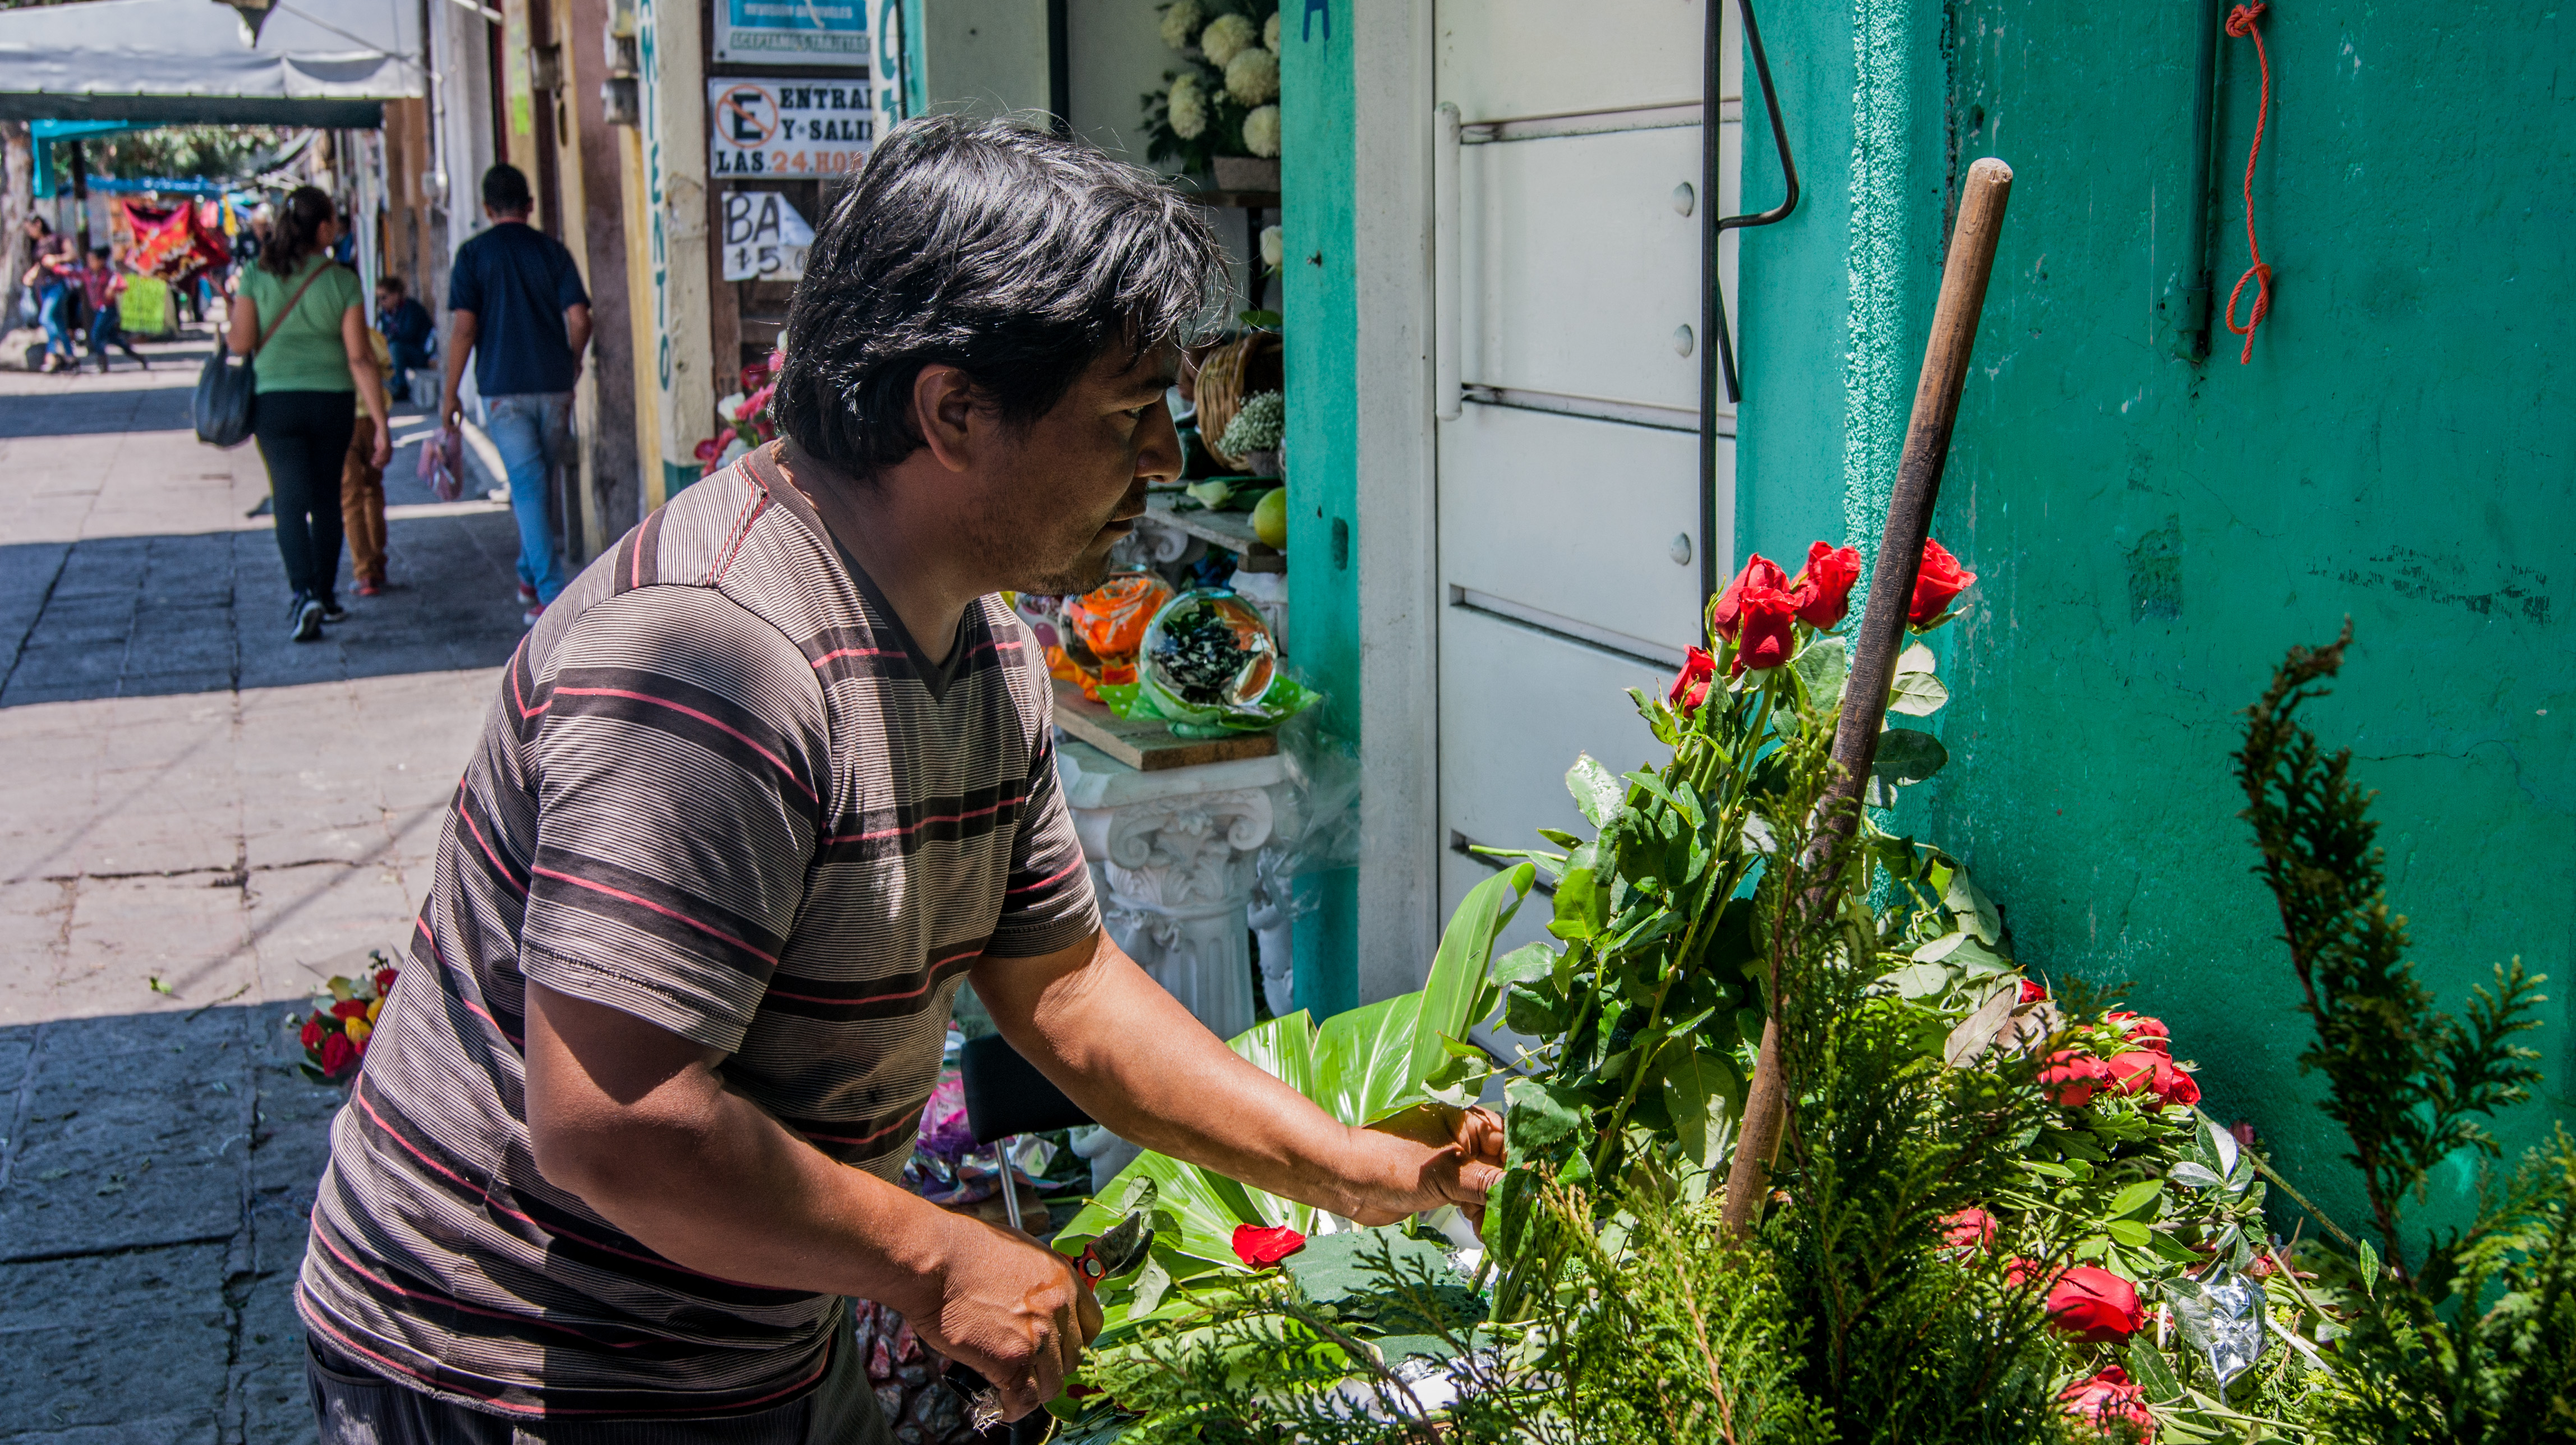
(1433, 1157)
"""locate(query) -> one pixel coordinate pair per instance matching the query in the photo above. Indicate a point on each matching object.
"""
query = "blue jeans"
(407, 355)
(533, 430)
(52, 310)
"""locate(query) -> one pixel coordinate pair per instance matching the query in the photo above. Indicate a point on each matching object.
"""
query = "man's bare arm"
(1138, 1062)
(637, 1121)
(577, 330)
(462, 328)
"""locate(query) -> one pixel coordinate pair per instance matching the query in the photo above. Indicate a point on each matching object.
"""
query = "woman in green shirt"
(302, 315)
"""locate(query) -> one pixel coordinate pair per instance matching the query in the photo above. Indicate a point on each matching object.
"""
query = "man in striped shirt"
(771, 778)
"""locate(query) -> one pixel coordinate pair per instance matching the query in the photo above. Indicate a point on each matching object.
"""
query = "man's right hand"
(1008, 1307)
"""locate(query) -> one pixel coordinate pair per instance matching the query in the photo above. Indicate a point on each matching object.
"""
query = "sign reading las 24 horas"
(790, 128)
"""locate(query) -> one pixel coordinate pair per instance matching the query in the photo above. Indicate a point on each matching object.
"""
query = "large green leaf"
(1598, 794)
(1283, 1049)
(1458, 970)
(1363, 1059)
(1195, 1210)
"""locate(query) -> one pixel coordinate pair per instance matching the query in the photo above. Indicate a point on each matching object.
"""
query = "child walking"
(101, 285)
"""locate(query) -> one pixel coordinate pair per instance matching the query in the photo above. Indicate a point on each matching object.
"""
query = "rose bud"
(2094, 1305)
(1938, 580)
(1766, 637)
(338, 1054)
(1824, 589)
(2072, 1077)
(2112, 1405)
(1759, 571)
(311, 1036)
(2143, 1032)
(1690, 689)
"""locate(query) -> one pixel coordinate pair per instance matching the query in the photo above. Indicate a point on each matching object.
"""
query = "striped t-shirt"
(723, 791)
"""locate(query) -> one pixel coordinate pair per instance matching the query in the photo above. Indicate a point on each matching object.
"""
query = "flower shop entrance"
(1567, 308)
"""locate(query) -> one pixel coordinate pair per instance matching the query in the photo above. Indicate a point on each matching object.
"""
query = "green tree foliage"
(2476, 1341)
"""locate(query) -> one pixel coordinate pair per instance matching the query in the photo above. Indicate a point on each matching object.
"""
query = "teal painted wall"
(2151, 532)
(1319, 298)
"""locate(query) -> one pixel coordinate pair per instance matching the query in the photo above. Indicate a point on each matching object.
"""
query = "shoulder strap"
(271, 331)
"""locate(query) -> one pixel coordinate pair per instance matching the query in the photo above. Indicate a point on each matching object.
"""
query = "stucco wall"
(2151, 532)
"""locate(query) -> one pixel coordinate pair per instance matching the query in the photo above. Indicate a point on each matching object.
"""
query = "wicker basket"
(1235, 370)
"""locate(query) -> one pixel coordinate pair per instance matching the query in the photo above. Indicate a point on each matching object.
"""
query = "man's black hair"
(391, 282)
(505, 189)
(1013, 254)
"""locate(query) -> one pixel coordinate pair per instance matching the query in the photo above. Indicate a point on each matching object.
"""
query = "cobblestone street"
(203, 821)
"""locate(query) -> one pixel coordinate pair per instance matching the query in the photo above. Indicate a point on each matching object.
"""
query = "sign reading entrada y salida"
(791, 128)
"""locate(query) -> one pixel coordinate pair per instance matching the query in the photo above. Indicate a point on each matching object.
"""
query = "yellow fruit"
(1270, 518)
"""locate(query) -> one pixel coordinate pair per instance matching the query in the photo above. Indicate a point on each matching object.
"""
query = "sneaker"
(529, 617)
(371, 586)
(332, 611)
(304, 616)
(527, 595)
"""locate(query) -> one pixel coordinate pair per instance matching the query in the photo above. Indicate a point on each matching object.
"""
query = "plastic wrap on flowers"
(1208, 667)
(1100, 631)
(948, 1167)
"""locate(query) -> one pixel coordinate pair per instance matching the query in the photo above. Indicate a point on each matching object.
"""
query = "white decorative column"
(1171, 856)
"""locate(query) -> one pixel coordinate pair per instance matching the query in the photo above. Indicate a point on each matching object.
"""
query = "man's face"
(1054, 498)
(385, 297)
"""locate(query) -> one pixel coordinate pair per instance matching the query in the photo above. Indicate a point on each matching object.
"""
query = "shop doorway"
(1572, 545)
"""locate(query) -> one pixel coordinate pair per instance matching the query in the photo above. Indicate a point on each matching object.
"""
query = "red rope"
(2240, 22)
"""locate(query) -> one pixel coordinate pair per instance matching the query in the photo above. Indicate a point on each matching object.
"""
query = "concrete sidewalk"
(202, 822)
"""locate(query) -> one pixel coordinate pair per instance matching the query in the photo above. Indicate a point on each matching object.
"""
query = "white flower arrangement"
(1252, 76)
(1270, 33)
(1226, 37)
(1258, 426)
(1187, 109)
(1261, 131)
(1181, 21)
(1274, 245)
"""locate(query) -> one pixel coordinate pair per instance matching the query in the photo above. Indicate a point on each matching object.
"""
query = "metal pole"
(1882, 628)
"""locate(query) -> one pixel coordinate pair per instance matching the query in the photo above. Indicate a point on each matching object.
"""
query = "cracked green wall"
(2151, 533)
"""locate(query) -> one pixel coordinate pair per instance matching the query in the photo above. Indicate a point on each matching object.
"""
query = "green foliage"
(187, 152)
(2409, 1082)
(2477, 1342)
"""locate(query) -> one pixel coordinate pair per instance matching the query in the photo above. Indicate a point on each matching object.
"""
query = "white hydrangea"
(1261, 131)
(1181, 21)
(1270, 33)
(1187, 108)
(1258, 426)
(1274, 247)
(1253, 75)
(1226, 37)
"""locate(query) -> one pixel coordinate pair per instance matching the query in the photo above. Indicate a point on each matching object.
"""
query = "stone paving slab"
(193, 799)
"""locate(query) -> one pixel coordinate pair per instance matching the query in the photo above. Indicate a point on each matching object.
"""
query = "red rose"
(384, 982)
(338, 1054)
(349, 1008)
(2019, 1271)
(1263, 1245)
(2108, 1401)
(2095, 1305)
(2143, 1032)
(1940, 579)
(1967, 1229)
(2072, 1077)
(1768, 634)
(1824, 589)
(2152, 1072)
(2032, 991)
(1691, 688)
(1760, 571)
(312, 1034)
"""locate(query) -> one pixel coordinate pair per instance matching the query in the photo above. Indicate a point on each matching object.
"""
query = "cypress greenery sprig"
(2409, 1081)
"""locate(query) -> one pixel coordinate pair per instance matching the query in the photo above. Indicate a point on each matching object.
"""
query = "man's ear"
(944, 411)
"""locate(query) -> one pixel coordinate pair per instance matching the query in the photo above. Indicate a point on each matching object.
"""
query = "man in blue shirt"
(407, 329)
(516, 305)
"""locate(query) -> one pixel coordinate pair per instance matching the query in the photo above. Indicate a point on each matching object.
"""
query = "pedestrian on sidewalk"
(101, 285)
(408, 331)
(51, 280)
(768, 780)
(362, 488)
(515, 304)
(302, 318)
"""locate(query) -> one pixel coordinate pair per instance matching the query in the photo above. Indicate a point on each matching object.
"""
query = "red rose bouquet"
(343, 1019)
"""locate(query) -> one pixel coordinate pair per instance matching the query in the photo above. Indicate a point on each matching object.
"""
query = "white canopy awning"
(315, 62)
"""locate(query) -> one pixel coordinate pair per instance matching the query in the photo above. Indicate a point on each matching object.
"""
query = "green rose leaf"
(2136, 1197)
(1916, 694)
(1538, 1115)
(1597, 793)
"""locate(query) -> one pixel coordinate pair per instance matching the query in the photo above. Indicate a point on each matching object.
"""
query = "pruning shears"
(1120, 1248)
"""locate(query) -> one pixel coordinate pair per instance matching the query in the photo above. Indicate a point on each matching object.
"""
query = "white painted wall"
(988, 57)
(1118, 55)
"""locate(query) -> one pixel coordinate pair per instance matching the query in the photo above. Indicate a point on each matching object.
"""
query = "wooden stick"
(1882, 627)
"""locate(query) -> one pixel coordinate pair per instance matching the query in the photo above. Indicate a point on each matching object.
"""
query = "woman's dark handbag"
(225, 392)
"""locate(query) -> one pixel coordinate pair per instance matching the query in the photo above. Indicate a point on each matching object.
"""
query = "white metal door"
(1569, 481)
